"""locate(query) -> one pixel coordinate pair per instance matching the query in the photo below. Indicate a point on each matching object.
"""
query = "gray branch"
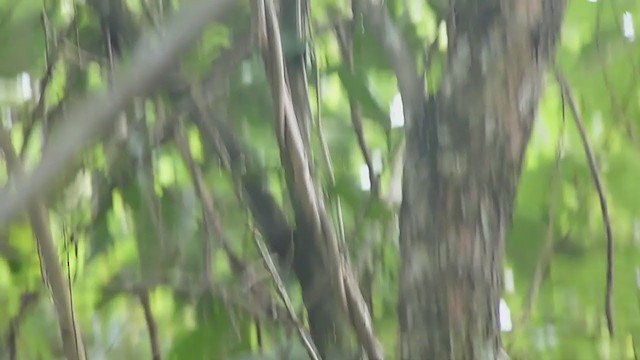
(93, 116)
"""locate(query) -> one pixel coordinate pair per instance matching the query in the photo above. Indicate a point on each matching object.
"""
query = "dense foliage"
(154, 232)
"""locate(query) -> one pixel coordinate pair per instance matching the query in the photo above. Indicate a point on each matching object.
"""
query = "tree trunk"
(462, 167)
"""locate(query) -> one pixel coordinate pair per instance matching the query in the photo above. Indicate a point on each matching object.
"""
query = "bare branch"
(212, 219)
(568, 96)
(345, 41)
(50, 262)
(290, 139)
(155, 55)
(295, 161)
(284, 296)
(151, 325)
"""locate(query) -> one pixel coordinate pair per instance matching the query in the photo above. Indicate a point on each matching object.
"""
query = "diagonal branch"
(568, 95)
(149, 63)
(345, 42)
(290, 140)
(50, 262)
(375, 14)
(296, 164)
(219, 138)
(52, 56)
(284, 296)
(212, 219)
(152, 327)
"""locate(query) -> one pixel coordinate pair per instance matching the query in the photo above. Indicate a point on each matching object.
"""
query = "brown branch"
(50, 262)
(345, 42)
(568, 95)
(284, 296)
(254, 192)
(294, 20)
(211, 216)
(151, 325)
(149, 63)
(326, 155)
(219, 138)
(212, 221)
(290, 139)
(295, 159)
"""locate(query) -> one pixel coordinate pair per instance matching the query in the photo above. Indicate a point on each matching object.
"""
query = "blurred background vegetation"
(133, 239)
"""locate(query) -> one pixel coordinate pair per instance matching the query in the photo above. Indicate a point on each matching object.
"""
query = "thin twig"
(157, 53)
(568, 95)
(345, 42)
(49, 261)
(52, 55)
(291, 142)
(211, 216)
(154, 342)
(284, 296)
(214, 224)
(296, 163)
(326, 155)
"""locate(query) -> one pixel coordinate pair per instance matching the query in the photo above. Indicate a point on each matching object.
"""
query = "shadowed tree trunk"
(464, 155)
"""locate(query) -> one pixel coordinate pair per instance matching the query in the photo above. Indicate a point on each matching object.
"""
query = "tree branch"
(149, 62)
(345, 42)
(296, 163)
(214, 224)
(50, 263)
(154, 342)
(568, 96)
(307, 342)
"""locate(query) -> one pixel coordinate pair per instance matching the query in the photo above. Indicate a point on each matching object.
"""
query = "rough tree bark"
(465, 150)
